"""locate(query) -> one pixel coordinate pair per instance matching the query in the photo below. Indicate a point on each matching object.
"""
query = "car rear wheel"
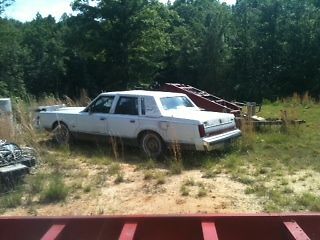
(152, 145)
(61, 134)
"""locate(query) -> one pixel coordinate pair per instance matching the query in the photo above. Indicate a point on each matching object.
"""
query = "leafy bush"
(11, 200)
(55, 191)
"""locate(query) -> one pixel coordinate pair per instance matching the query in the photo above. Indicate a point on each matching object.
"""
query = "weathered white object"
(6, 119)
(5, 106)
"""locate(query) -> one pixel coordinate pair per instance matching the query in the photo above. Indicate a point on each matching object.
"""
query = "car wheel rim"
(61, 134)
(152, 146)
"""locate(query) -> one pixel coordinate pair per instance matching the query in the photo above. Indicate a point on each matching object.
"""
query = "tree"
(250, 51)
(45, 68)
(4, 4)
(275, 48)
(148, 50)
(200, 37)
(12, 57)
(130, 40)
(215, 51)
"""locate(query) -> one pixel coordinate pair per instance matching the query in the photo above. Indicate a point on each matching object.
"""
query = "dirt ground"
(138, 195)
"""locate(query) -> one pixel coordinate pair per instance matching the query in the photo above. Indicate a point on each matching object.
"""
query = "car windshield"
(175, 102)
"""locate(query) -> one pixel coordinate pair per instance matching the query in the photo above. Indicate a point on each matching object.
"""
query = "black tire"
(61, 133)
(152, 145)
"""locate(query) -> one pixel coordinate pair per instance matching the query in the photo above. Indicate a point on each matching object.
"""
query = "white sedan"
(153, 120)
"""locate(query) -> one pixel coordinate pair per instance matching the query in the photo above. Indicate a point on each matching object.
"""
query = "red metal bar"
(209, 231)
(296, 232)
(128, 231)
(168, 227)
(54, 232)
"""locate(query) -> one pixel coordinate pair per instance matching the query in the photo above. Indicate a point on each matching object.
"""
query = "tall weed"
(54, 191)
(248, 138)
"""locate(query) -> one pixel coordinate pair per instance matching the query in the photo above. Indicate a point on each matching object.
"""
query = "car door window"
(102, 105)
(127, 105)
(143, 107)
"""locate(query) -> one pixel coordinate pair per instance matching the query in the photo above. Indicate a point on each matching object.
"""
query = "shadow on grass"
(133, 154)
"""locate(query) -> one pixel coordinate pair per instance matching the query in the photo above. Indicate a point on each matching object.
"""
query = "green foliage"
(44, 68)
(114, 169)
(54, 191)
(87, 189)
(202, 192)
(176, 167)
(254, 50)
(275, 53)
(36, 183)
(12, 56)
(309, 201)
(4, 4)
(184, 190)
(119, 178)
(11, 200)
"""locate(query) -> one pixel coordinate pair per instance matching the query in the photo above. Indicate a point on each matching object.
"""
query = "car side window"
(143, 107)
(102, 105)
(127, 105)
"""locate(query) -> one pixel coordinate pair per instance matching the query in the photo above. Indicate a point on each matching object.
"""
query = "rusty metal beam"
(295, 231)
(209, 231)
(128, 231)
(54, 232)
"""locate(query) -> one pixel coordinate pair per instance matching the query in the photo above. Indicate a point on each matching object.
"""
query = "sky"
(26, 10)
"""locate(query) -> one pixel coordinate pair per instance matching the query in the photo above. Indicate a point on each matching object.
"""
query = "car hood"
(69, 110)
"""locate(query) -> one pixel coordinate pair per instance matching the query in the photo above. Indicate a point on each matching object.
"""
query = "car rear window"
(175, 102)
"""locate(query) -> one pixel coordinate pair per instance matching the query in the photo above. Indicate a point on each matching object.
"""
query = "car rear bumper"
(217, 141)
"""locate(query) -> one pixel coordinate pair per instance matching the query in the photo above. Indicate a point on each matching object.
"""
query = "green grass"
(263, 159)
(189, 182)
(114, 169)
(54, 191)
(202, 191)
(189, 185)
(147, 165)
(184, 190)
(148, 175)
(309, 201)
(11, 200)
(35, 183)
(119, 178)
(160, 178)
(175, 167)
(273, 154)
(87, 189)
(270, 162)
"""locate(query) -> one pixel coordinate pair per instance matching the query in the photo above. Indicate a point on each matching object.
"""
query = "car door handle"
(132, 121)
(102, 118)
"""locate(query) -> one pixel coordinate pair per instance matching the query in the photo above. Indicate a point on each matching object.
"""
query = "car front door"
(124, 122)
(94, 119)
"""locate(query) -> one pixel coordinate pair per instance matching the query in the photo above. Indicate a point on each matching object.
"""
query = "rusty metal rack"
(243, 111)
(182, 227)
(204, 99)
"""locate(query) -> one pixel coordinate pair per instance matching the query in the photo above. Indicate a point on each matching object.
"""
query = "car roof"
(144, 93)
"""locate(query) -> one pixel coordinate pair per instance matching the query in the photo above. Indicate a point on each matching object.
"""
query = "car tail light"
(202, 132)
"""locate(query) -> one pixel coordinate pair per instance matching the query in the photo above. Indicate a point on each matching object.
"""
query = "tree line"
(253, 50)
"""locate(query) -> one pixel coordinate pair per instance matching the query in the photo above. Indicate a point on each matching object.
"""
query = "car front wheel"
(152, 145)
(61, 134)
